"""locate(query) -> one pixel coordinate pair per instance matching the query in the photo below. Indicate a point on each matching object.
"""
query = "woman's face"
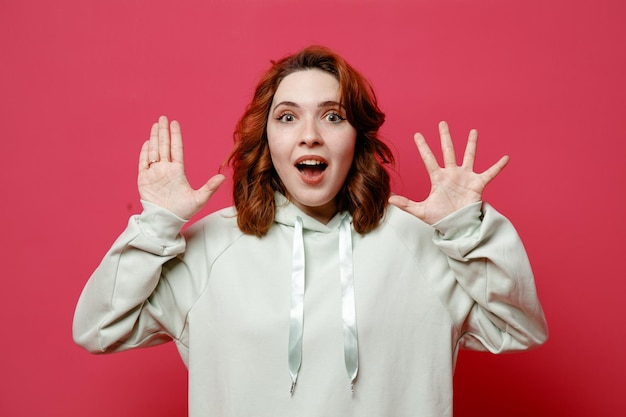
(311, 142)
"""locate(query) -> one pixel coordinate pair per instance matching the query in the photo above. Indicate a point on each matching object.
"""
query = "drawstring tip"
(293, 387)
(352, 387)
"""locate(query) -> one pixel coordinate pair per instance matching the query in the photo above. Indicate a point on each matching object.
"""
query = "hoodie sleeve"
(491, 266)
(140, 293)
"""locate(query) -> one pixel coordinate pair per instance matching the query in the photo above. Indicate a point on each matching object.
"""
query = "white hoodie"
(225, 298)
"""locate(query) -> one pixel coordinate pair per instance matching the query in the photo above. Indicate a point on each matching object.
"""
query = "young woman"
(312, 296)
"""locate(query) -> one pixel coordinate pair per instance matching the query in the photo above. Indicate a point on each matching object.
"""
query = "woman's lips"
(311, 169)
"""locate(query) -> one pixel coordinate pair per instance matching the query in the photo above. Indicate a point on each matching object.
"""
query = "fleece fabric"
(422, 293)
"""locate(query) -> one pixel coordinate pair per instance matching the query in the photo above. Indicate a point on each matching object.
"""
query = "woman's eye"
(286, 117)
(334, 117)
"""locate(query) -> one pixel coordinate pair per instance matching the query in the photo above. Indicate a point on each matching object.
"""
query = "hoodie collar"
(287, 212)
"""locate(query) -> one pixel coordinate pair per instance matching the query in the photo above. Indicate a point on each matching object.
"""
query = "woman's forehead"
(308, 86)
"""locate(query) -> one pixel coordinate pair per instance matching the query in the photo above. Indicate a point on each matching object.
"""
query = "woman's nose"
(311, 134)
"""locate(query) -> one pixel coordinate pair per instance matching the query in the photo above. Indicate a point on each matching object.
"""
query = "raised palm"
(162, 180)
(452, 186)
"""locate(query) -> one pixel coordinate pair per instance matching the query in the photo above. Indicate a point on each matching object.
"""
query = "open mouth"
(311, 168)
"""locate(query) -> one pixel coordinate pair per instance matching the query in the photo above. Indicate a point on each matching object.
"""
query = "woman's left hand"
(452, 186)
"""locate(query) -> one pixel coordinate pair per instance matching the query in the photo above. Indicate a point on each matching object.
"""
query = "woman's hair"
(366, 189)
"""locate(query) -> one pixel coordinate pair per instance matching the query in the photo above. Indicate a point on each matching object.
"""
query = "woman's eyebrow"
(286, 103)
(327, 103)
(330, 103)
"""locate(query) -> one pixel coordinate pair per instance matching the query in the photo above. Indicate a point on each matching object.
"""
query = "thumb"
(200, 197)
(211, 186)
(407, 205)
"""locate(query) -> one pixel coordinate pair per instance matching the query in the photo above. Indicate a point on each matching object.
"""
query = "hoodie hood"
(287, 212)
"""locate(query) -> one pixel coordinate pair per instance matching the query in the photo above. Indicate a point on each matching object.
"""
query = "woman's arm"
(490, 265)
(115, 310)
(485, 253)
(120, 306)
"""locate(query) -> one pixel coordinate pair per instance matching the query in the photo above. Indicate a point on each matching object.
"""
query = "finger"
(429, 159)
(214, 183)
(164, 139)
(144, 161)
(153, 148)
(470, 149)
(447, 148)
(176, 142)
(493, 171)
(399, 201)
(210, 187)
(407, 205)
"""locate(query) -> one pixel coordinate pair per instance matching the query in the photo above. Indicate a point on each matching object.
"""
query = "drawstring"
(348, 304)
(296, 322)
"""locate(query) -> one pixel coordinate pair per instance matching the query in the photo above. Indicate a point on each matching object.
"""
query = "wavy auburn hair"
(366, 189)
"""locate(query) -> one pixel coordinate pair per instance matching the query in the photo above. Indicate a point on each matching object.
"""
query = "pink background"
(81, 82)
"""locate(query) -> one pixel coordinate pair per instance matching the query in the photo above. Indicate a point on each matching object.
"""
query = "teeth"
(310, 162)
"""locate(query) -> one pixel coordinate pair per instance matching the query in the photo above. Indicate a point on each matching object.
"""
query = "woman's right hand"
(162, 180)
